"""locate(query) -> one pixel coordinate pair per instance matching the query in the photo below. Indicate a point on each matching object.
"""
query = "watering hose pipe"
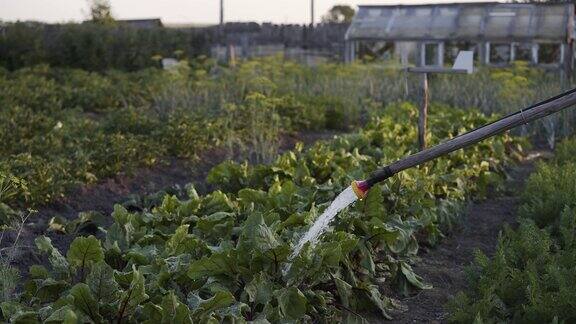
(521, 117)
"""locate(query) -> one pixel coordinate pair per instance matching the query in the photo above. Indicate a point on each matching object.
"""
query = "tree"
(339, 14)
(101, 12)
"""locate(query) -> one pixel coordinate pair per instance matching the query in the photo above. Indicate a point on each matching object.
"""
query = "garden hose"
(521, 117)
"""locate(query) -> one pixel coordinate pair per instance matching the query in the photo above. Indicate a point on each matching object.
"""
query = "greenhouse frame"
(432, 34)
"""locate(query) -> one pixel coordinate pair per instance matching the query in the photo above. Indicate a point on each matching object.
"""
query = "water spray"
(521, 117)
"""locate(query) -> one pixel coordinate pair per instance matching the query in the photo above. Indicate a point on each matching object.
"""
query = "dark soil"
(102, 196)
(443, 266)
(308, 138)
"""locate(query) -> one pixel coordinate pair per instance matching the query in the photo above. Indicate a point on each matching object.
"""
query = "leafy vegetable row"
(222, 257)
(61, 127)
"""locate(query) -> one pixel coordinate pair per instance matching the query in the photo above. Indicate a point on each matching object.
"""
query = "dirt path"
(443, 266)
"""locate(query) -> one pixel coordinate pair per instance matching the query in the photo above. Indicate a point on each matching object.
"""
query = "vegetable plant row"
(222, 257)
(531, 277)
(62, 127)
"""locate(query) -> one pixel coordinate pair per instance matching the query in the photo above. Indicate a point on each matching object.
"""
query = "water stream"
(344, 199)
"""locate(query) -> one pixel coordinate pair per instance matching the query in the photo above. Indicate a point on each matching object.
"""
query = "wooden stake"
(231, 55)
(423, 113)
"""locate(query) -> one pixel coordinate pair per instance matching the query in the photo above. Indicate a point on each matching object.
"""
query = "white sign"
(464, 61)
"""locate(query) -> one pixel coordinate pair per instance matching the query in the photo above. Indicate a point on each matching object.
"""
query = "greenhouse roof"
(465, 21)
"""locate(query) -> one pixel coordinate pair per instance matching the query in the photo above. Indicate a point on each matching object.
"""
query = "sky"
(180, 11)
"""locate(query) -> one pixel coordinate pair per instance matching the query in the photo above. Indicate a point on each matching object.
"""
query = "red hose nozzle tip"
(360, 188)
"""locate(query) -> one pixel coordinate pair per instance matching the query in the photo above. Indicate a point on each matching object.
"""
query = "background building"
(432, 35)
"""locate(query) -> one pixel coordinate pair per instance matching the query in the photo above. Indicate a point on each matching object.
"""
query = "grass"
(13, 222)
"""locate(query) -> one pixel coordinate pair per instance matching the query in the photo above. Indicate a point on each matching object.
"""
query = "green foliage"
(552, 188)
(84, 301)
(9, 277)
(253, 128)
(11, 187)
(102, 284)
(565, 151)
(57, 261)
(223, 256)
(530, 279)
(548, 192)
(292, 303)
(60, 127)
(83, 252)
(339, 14)
(132, 297)
(303, 113)
(101, 12)
(97, 46)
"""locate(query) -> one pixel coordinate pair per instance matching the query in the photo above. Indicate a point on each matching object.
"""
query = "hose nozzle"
(360, 188)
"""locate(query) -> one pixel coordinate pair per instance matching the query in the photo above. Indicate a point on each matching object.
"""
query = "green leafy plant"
(530, 277)
(529, 280)
(548, 192)
(224, 256)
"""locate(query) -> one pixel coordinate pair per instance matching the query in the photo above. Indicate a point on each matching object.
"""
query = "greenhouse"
(432, 35)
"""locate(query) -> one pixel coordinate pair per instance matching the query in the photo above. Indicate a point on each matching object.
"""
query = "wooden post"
(231, 55)
(423, 110)
(423, 113)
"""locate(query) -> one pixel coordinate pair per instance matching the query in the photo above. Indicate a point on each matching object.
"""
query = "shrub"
(565, 151)
(530, 279)
(95, 47)
(548, 192)
(532, 276)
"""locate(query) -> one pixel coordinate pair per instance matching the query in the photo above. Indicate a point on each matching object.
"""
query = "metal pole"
(221, 13)
(312, 13)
